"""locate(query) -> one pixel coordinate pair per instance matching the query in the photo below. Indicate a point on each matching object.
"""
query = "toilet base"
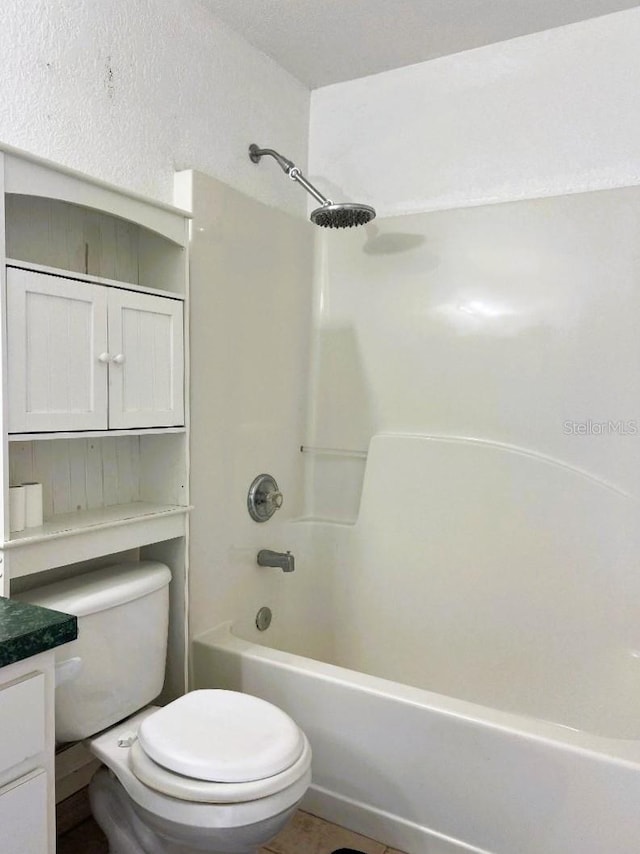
(130, 829)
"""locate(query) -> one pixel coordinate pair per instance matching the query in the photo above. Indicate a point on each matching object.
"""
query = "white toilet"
(213, 771)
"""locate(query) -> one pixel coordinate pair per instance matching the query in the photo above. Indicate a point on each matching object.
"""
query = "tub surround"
(27, 630)
(467, 704)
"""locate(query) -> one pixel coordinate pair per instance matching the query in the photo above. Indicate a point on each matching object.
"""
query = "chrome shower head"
(329, 215)
(344, 215)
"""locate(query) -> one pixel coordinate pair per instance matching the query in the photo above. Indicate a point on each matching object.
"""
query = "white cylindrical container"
(33, 505)
(17, 508)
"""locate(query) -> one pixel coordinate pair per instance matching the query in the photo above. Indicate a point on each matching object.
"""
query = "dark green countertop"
(26, 630)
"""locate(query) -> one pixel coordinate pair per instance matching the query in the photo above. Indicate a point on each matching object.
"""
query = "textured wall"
(129, 90)
(545, 114)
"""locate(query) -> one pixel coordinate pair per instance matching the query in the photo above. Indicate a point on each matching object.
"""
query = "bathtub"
(433, 775)
(470, 676)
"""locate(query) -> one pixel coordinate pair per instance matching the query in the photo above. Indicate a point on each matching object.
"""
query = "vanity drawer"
(22, 720)
(23, 815)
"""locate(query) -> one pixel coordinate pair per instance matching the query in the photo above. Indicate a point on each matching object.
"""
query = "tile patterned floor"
(305, 834)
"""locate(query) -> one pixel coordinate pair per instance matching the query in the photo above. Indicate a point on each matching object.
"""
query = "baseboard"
(382, 826)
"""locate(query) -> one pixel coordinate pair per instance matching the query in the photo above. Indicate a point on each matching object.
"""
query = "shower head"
(344, 215)
(328, 215)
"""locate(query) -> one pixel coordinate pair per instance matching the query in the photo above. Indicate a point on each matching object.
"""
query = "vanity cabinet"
(23, 815)
(89, 356)
(27, 774)
(23, 801)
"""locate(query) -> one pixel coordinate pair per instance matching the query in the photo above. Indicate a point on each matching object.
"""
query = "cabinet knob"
(119, 359)
(104, 358)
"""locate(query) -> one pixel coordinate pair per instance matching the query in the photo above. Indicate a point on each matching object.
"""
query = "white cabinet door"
(23, 816)
(57, 333)
(146, 372)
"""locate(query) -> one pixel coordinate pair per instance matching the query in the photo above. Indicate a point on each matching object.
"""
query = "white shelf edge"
(94, 434)
(44, 162)
(95, 280)
(87, 521)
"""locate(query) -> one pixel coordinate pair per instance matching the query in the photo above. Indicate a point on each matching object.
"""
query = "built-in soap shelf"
(333, 478)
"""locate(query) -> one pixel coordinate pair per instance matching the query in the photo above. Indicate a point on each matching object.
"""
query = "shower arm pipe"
(290, 169)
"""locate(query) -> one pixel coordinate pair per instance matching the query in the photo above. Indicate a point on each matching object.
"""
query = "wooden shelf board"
(96, 280)
(93, 434)
(73, 524)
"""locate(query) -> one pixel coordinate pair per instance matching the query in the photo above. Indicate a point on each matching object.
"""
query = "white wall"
(129, 92)
(545, 114)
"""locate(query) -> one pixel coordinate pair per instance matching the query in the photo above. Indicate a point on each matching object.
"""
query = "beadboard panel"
(65, 236)
(79, 474)
(57, 234)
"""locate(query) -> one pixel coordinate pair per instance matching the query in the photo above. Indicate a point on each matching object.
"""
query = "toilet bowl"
(143, 807)
(214, 771)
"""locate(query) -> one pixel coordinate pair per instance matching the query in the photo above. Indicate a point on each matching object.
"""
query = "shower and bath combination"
(329, 215)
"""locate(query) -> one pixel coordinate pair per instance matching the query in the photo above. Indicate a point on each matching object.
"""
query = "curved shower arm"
(290, 169)
(256, 153)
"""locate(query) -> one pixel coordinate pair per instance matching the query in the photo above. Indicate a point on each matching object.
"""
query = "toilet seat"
(221, 737)
(201, 791)
(113, 747)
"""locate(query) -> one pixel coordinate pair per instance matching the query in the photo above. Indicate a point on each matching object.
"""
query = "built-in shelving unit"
(94, 362)
(94, 345)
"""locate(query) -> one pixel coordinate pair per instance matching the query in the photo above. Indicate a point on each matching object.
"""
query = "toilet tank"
(123, 618)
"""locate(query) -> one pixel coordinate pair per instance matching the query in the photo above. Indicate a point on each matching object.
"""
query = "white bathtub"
(470, 676)
(434, 775)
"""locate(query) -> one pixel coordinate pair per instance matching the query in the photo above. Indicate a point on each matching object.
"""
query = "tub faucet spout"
(285, 560)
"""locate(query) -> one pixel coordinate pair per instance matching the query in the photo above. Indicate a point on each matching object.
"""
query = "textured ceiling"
(328, 41)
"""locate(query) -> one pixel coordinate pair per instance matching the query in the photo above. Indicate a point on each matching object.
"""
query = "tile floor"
(305, 834)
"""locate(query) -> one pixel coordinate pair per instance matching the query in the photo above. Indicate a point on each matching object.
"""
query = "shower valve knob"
(264, 498)
(274, 499)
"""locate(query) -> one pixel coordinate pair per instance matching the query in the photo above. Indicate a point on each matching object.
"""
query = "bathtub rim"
(620, 750)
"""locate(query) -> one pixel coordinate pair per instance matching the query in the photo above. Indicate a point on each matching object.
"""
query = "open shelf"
(72, 537)
(87, 277)
(94, 434)
(72, 524)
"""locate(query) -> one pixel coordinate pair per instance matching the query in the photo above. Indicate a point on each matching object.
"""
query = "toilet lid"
(221, 736)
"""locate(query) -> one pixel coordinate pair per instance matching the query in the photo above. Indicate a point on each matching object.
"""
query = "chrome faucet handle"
(264, 498)
(274, 499)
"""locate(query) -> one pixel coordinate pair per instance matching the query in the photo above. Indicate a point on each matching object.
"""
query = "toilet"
(213, 771)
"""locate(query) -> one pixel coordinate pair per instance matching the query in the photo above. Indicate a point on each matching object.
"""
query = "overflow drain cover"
(263, 618)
